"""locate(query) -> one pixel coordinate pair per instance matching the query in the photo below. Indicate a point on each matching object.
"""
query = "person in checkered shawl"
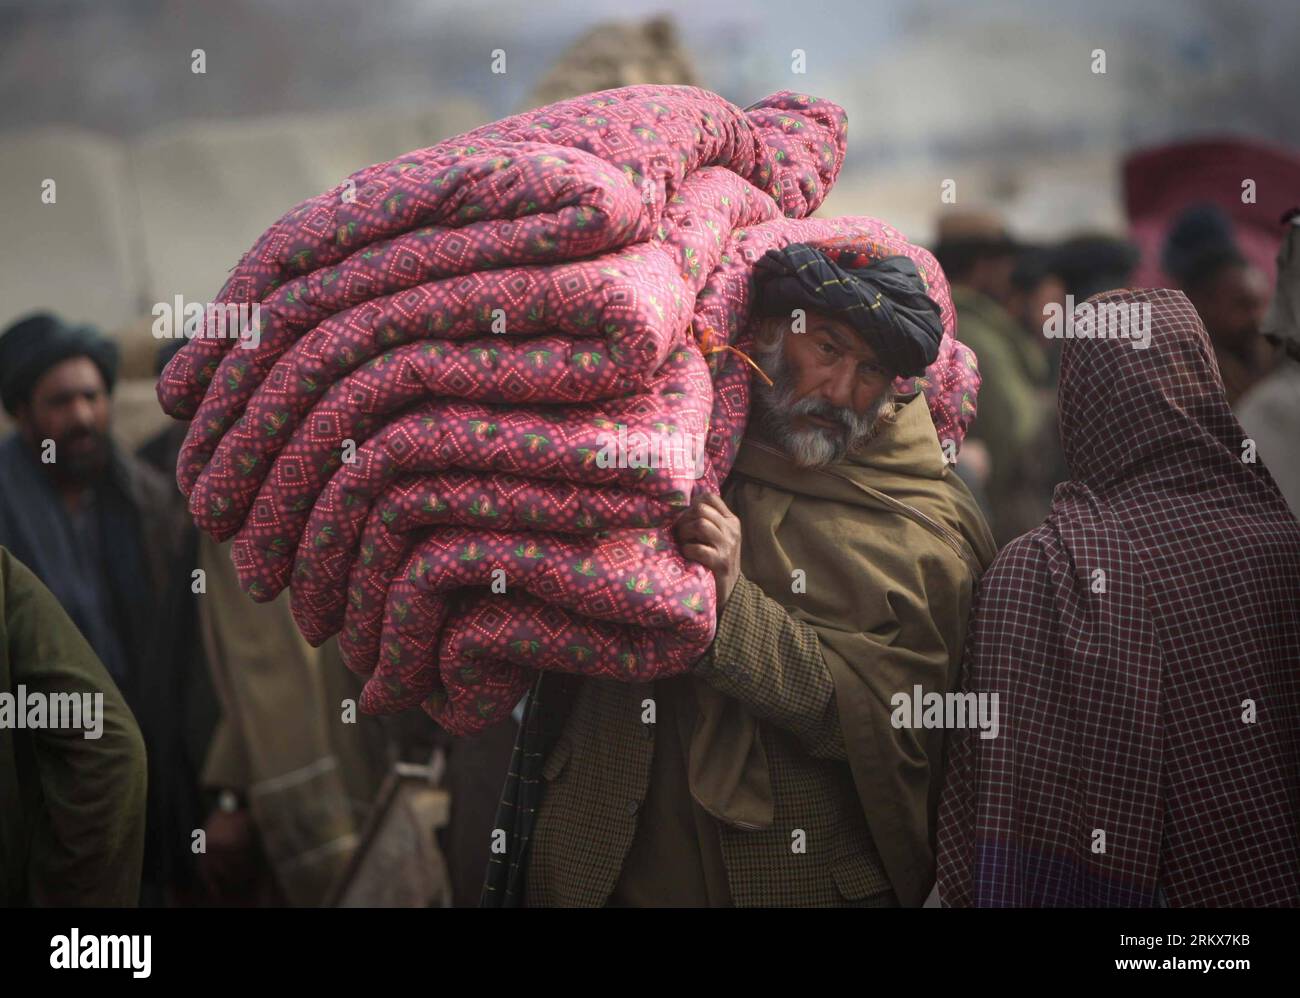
(845, 553)
(1144, 643)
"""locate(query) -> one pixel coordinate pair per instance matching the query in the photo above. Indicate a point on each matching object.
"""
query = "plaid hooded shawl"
(1144, 642)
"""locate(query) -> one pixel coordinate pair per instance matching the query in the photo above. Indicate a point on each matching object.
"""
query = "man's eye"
(826, 348)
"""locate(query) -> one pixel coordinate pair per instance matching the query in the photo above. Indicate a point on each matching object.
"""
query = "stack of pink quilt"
(452, 344)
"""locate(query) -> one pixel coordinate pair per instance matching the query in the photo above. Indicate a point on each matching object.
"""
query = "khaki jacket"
(793, 743)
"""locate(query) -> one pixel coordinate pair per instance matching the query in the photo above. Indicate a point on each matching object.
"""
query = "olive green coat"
(72, 808)
(856, 583)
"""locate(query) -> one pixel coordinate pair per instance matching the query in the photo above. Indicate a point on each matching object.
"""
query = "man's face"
(828, 391)
(1233, 306)
(69, 405)
(1030, 306)
(991, 275)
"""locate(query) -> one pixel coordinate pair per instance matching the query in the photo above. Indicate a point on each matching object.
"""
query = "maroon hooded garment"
(1149, 714)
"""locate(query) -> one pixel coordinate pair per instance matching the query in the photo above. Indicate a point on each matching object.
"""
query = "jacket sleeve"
(88, 844)
(773, 664)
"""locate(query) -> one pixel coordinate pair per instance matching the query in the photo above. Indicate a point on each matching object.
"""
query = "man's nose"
(837, 389)
(83, 412)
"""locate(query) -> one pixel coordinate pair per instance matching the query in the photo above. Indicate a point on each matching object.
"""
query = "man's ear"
(768, 332)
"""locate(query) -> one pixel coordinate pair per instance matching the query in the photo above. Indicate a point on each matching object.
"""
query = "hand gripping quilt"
(432, 441)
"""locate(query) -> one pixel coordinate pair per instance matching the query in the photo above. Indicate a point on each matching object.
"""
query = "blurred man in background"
(89, 520)
(1229, 293)
(96, 526)
(1087, 264)
(1028, 475)
(1270, 411)
(979, 257)
(1093, 262)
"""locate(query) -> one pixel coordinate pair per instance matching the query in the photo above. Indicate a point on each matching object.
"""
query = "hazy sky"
(925, 75)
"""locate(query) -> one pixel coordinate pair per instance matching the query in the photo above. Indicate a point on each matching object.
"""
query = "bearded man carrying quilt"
(845, 555)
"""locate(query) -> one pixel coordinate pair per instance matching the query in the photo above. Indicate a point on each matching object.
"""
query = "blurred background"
(165, 176)
(1043, 150)
(296, 93)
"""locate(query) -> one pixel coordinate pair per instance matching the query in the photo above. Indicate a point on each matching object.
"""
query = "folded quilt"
(433, 439)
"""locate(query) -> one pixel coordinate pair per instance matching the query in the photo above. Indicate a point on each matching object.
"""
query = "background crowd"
(239, 716)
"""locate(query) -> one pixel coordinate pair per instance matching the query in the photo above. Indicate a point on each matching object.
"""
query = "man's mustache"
(812, 407)
(782, 397)
(86, 450)
(81, 433)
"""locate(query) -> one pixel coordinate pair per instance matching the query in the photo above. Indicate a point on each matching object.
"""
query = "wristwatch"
(228, 802)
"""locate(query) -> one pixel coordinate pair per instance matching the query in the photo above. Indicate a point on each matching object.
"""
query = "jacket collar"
(907, 446)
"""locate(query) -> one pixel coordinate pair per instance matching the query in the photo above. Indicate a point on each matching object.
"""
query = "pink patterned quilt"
(450, 345)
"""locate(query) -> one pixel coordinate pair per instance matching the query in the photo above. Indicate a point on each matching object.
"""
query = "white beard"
(775, 407)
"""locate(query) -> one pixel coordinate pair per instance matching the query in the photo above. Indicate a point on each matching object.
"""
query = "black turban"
(34, 344)
(884, 301)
